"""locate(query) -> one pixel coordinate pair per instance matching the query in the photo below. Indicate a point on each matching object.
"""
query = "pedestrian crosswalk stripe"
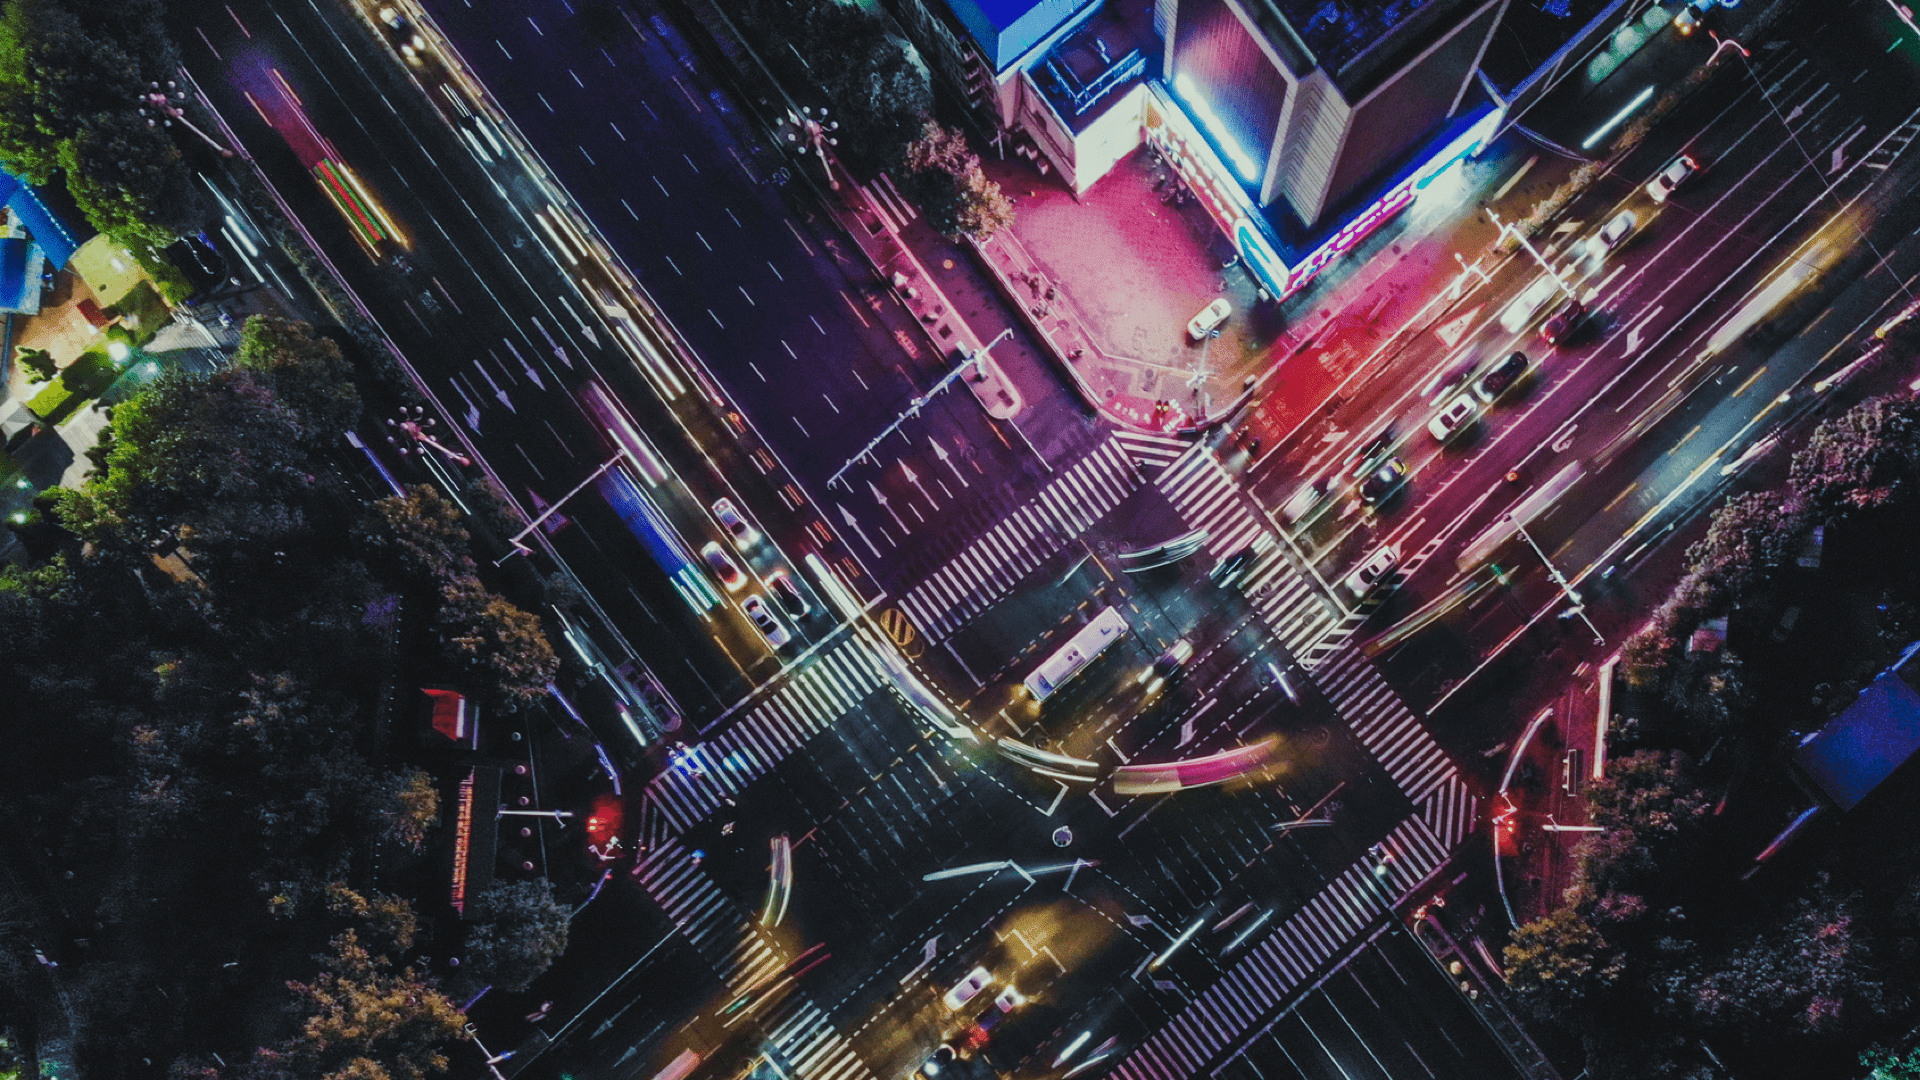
(995, 563)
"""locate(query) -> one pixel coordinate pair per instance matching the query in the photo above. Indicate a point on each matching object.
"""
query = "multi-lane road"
(1678, 370)
(575, 204)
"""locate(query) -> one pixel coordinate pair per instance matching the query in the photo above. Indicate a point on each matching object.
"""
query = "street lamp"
(818, 132)
(409, 433)
(165, 102)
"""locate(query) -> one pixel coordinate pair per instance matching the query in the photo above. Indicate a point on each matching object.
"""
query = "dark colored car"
(1374, 449)
(1227, 571)
(1563, 323)
(1501, 378)
(788, 593)
(1383, 482)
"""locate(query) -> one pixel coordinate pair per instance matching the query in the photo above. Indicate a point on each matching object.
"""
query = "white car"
(967, 988)
(764, 621)
(1374, 572)
(1210, 316)
(1528, 304)
(743, 532)
(1671, 177)
(1614, 234)
(1454, 417)
(723, 567)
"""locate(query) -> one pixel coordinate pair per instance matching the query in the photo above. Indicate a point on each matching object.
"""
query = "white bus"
(1072, 658)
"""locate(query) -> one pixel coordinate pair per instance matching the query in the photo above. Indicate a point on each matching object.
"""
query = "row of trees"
(198, 660)
(72, 74)
(882, 99)
(1657, 951)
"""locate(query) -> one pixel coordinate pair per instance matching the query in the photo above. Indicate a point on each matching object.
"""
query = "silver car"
(1454, 417)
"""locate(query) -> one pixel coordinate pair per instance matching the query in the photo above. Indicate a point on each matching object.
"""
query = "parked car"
(1210, 316)
(763, 620)
(1501, 378)
(1383, 482)
(743, 532)
(722, 565)
(782, 586)
(1564, 322)
(1454, 417)
(1373, 573)
(1671, 177)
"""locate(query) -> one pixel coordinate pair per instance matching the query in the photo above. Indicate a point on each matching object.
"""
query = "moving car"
(1226, 572)
(782, 586)
(1305, 499)
(1501, 378)
(723, 566)
(1210, 316)
(1671, 177)
(764, 621)
(729, 515)
(967, 988)
(1367, 455)
(404, 37)
(1384, 481)
(1374, 572)
(1614, 233)
(1170, 661)
(1528, 304)
(1454, 417)
(1563, 323)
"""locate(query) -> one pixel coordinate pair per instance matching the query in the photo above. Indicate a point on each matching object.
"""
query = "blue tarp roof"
(48, 231)
(20, 261)
(1870, 739)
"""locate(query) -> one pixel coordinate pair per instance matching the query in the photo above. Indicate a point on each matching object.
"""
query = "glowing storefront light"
(1203, 112)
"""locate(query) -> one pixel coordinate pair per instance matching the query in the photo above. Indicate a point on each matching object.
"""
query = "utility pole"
(515, 540)
(919, 402)
(1533, 251)
(1566, 588)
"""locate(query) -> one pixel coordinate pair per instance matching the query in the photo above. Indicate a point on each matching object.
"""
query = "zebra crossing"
(1385, 726)
(807, 701)
(811, 1047)
(1295, 609)
(720, 932)
(889, 203)
(1290, 958)
(1148, 448)
(992, 565)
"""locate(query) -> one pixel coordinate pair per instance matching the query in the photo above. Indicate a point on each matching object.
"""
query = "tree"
(421, 533)
(1559, 965)
(946, 180)
(38, 362)
(1749, 538)
(1883, 1063)
(71, 76)
(415, 808)
(1808, 974)
(517, 932)
(1858, 459)
(306, 374)
(501, 645)
(364, 1021)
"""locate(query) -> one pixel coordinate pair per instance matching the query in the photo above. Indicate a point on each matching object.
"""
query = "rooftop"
(1336, 31)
